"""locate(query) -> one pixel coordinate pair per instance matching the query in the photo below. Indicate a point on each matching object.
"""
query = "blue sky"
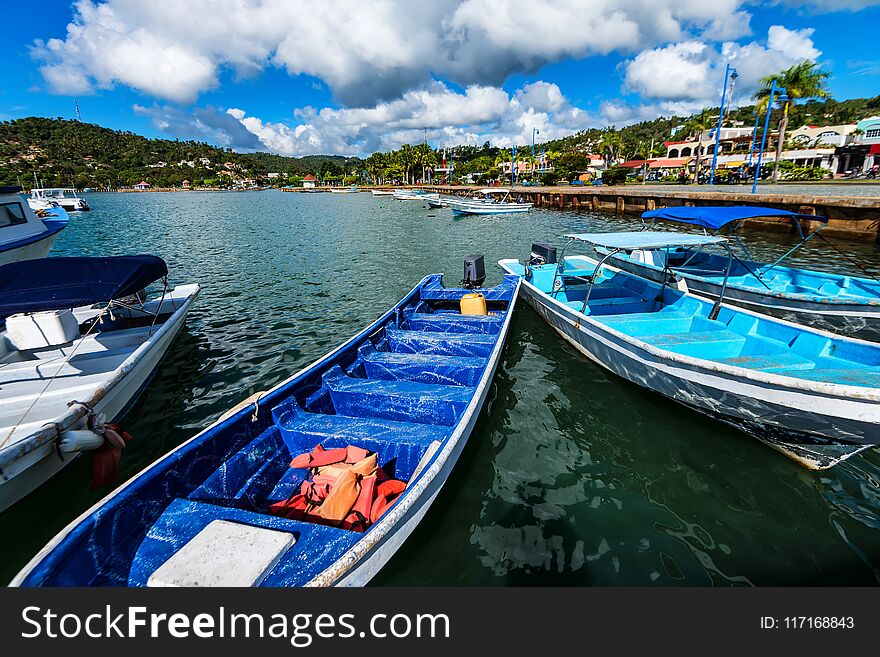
(283, 76)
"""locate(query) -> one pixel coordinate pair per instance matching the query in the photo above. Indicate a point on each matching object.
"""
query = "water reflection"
(571, 477)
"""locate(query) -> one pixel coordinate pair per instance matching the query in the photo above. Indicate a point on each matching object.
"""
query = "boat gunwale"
(860, 393)
(275, 392)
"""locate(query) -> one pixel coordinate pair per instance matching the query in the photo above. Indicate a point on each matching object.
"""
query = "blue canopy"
(55, 283)
(645, 239)
(714, 217)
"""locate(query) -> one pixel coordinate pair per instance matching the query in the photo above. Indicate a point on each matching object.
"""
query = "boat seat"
(247, 475)
(609, 301)
(639, 324)
(454, 323)
(184, 519)
(403, 442)
(857, 376)
(477, 345)
(586, 273)
(421, 368)
(771, 362)
(700, 344)
(424, 403)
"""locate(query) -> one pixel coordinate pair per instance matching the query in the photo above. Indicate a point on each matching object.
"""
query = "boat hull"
(815, 430)
(37, 249)
(133, 514)
(26, 474)
(852, 319)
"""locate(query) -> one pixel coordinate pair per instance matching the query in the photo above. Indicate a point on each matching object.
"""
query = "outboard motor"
(474, 272)
(542, 254)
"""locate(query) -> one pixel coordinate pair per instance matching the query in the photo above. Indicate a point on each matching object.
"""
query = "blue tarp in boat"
(715, 217)
(56, 283)
(645, 239)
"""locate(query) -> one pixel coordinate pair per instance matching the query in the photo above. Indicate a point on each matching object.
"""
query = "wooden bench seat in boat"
(420, 368)
(453, 323)
(771, 362)
(396, 400)
(477, 345)
(715, 344)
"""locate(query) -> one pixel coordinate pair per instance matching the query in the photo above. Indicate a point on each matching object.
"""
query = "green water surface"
(571, 477)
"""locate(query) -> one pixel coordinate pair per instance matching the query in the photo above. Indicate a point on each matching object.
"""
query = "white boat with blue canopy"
(79, 339)
(24, 233)
(845, 304)
(406, 390)
(808, 393)
(491, 200)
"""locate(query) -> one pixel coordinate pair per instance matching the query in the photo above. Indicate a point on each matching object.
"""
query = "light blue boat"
(810, 394)
(849, 305)
(409, 387)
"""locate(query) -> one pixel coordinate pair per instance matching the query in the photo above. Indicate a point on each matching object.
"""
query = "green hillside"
(63, 152)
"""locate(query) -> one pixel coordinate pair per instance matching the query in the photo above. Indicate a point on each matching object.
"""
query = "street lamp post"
(512, 166)
(782, 91)
(535, 131)
(729, 73)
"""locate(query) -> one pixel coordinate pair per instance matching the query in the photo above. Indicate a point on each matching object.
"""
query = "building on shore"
(310, 181)
(143, 185)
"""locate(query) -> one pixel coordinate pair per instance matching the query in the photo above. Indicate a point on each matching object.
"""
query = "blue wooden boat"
(845, 304)
(810, 394)
(409, 387)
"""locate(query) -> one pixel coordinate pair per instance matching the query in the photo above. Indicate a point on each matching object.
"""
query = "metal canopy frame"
(591, 280)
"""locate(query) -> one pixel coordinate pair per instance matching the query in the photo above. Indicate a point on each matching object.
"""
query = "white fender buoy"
(79, 440)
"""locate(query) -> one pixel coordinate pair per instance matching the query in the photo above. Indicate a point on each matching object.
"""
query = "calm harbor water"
(572, 477)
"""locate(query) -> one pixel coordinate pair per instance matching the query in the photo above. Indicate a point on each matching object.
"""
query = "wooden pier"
(855, 217)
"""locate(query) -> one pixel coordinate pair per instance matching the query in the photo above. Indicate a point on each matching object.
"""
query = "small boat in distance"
(25, 234)
(382, 192)
(494, 201)
(80, 342)
(221, 509)
(64, 197)
(844, 304)
(812, 395)
(344, 190)
(415, 195)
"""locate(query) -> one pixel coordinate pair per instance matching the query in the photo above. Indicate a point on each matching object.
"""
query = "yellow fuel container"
(473, 303)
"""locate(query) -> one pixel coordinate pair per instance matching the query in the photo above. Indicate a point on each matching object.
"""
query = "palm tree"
(696, 126)
(610, 145)
(804, 80)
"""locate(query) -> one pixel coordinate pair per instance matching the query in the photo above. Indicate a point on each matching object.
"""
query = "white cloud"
(364, 50)
(692, 72)
(480, 113)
